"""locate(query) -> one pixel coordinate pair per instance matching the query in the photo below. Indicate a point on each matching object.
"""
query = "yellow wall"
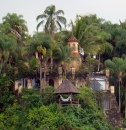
(73, 46)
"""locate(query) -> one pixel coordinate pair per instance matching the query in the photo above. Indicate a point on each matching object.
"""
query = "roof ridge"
(66, 87)
(72, 39)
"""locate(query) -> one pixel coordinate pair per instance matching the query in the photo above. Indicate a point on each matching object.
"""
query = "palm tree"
(121, 41)
(117, 67)
(117, 40)
(87, 30)
(51, 19)
(17, 25)
(104, 45)
(41, 46)
(62, 36)
(10, 54)
(92, 38)
(8, 45)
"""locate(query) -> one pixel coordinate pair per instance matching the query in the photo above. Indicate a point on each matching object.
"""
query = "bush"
(31, 98)
(36, 112)
(48, 97)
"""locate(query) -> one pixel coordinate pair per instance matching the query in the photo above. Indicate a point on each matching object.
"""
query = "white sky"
(110, 10)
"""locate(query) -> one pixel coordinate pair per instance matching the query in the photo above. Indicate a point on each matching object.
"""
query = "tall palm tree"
(92, 38)
(41, 45)
(87, 29)
(118, 39)
(117, 67)
(17, 25)
(8, 45)
(121, 41)
(51, 19)
(104, 45)
(10, 53)
(62, 57)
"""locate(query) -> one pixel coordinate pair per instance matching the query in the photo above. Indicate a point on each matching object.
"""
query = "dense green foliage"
(34, 111)
(96, 37)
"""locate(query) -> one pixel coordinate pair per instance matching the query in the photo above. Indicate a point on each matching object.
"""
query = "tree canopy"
(96, 37)
(51, 19)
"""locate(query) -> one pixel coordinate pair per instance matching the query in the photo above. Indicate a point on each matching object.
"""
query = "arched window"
(51, 82)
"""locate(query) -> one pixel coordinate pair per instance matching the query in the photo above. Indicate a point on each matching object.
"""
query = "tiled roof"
(72, 39)
(66, 88)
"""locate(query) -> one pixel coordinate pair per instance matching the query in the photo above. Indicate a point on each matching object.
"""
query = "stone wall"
(113, 115)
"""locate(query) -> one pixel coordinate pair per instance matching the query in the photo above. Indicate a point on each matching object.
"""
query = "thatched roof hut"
(66, 88)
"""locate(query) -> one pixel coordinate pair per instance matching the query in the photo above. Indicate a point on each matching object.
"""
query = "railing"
(73, 102)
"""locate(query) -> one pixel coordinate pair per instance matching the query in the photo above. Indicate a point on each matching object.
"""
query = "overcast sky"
(110, 10)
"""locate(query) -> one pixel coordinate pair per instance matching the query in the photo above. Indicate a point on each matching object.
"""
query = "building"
(55, 79)
(98, 81)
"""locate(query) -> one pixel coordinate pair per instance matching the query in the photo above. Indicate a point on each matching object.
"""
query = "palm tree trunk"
(125, 105)
(44, 75)
(51, 62)
(99, 63)
(41, 76)
(119, 98)
(52, 30)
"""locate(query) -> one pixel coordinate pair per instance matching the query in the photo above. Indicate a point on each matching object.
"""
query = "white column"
(29, 85)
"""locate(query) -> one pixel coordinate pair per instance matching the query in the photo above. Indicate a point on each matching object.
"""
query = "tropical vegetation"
(23, 56)
(37, 111)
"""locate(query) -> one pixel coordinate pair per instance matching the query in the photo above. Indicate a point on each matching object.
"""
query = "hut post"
(71, 98)
(59, 101)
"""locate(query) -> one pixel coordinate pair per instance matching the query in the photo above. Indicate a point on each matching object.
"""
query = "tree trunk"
(99, 59)
(41, 87)
(119, 98)
(125, 105)
(51, 62)
(45, 68)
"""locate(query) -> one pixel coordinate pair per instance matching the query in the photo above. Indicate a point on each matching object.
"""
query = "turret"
(73, 44)
(75, 55)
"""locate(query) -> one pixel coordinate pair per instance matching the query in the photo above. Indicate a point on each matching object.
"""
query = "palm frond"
(40, 23)
(33, 64)
(61, 19)
(59, 25)
(59, 12)
(41, 16)
(108, 48)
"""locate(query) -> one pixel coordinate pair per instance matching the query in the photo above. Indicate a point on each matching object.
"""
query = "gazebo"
(67, 88)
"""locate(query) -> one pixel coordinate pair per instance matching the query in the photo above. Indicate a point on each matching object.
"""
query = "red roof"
(72, 39)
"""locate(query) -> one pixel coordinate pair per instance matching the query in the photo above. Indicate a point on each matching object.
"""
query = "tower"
(75, 55)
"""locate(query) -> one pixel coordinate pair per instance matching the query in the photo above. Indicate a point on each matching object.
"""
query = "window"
(106, 104)
(98, 83)
(74, 47)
